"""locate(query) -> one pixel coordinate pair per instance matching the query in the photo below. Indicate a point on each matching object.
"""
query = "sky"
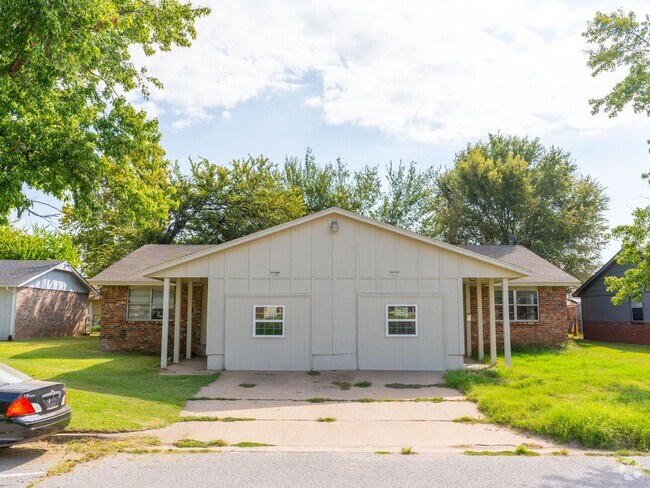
(377, 81)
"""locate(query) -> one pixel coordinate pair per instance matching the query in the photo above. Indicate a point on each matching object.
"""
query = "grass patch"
(193, 443)
(252, 444)
(382, 452)
(465, 419)
(319, 400)
(210, 418)
(405, 386)
(326, 419)
(108, 391)
(561, 452)
(247, 385)
(343, 385)
(313, 373)
(407, 451)
(363, 384)
(520, 451)
(430, 400)
(597, 394)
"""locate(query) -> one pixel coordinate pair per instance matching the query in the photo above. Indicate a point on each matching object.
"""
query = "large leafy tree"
(40, 243)
(514, 190)
(65, 122)
(623, 43)
(333, 185)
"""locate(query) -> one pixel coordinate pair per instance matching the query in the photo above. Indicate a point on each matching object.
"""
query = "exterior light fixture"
(334, 226)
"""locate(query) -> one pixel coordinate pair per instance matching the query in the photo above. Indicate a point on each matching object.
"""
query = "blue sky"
(379, 81)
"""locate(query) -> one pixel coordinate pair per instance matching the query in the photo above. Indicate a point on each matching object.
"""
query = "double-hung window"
(637, 311)
(268, 321)
(523, 305)
(146, 304)
(401, 320)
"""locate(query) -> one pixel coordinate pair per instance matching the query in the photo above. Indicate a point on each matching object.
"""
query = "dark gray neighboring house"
(604, 321)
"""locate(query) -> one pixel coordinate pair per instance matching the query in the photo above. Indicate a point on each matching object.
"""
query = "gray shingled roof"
(16, 272)
(129, 269)
(541, 270)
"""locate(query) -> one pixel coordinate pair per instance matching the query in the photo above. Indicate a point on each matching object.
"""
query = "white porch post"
(506, 323)
(188, 339)
(468, 322)
(165, 325)
(177, 321)
(493, 323)
(479, 317)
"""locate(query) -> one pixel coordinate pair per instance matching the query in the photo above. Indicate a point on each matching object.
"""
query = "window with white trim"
(637, 311)
(401, 320)
(268, 321)
(146, 303)
(523, 305)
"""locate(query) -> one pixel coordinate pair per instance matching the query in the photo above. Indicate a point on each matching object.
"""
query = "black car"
(30, 409)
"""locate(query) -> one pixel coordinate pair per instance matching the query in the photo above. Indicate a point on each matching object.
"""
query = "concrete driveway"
(398, 409)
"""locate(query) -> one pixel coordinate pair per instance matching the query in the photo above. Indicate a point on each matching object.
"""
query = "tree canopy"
(514, 190)
(623, 42)
(38, 244)
(65, 69)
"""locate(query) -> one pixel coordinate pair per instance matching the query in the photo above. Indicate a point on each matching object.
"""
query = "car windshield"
(11, 376)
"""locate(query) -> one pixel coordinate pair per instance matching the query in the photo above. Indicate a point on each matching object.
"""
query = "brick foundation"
(625, 332)
(50, 313)
(119, 334)
(550, 330)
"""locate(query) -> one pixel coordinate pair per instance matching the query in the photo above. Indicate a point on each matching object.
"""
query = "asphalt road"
(288, 469)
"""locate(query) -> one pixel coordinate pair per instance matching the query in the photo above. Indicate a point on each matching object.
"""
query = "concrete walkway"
(276, 411)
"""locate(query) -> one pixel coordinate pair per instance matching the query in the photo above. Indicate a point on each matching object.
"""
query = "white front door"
(5, 313)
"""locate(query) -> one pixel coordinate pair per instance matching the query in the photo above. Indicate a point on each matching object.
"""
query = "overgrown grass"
(193, 443)
(326, 419)
(363, 384)
(252, 444)
(108, 392)
(595, 393)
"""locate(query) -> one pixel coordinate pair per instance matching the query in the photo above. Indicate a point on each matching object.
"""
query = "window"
(637, 311)
(268, 321)
(523, 305)
(401, 320)
(146, 304)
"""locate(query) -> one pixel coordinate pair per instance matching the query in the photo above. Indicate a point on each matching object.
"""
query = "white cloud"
(226, 115)
(428, 71)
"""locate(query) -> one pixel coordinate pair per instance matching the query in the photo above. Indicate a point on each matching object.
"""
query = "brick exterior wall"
(119, 334)
(50, 313)
(550, 330)
(626, 332)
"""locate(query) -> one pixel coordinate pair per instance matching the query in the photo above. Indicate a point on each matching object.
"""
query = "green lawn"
(107, 391)
(592, 392)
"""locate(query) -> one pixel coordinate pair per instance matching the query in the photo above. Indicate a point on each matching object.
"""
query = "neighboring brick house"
(538, 306)
(331, 290)
(42, 299)
(604, 321)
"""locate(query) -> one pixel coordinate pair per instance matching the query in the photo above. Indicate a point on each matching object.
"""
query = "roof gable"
(21, 272)
(344, 213)
(604, 268)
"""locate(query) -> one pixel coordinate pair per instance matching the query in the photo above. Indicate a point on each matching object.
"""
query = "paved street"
(285, 469)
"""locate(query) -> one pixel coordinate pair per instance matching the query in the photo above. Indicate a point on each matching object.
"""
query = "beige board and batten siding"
(335, 272)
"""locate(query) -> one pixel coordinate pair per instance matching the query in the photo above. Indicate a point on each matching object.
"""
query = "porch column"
(493, 323)
(165, 325)
(479, 317)
(188, 339)
(506, 323)
(468, 322)
(177, 321)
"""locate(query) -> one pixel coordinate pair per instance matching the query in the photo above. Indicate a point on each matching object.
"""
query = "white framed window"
(146, 303)
(523, 305)
(401, 320)
(268, 321)
(637, 311)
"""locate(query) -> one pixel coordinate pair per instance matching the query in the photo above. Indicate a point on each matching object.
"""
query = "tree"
(331, 185)
(38, 244)
(624, 42)
(513, 190)
(65, 66)
(407, 203)
(621, 42)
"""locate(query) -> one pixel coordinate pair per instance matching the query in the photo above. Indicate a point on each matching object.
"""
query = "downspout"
(12, 319)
